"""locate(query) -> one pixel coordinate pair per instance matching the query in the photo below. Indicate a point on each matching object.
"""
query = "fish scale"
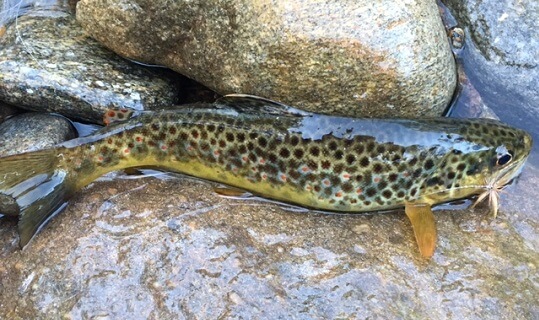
(317, 161)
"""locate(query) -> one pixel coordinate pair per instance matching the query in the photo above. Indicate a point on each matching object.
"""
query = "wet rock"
(33, 131)
(170, 248)
(48, 63)
(500, 55)
(353, 58)
(468, 102)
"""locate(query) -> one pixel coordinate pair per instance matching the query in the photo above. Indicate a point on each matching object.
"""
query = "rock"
(500, 55)
(47, 63)
(7, 110)
(172, 249)
(33, 131)
(358, 58)
(468, 102)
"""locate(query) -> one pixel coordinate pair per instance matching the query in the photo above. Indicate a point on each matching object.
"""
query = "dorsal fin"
(119, 115)
(245, 103)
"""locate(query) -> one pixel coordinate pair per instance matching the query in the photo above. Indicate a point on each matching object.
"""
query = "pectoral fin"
(424, 226)
(230, 192)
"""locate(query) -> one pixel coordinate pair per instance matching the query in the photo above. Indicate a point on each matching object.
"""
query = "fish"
(316, 161)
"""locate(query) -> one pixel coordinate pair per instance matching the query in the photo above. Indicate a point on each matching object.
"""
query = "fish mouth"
(494, 186)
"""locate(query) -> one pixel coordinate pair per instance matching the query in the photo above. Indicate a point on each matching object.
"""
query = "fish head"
(493, 162)
(501, 160)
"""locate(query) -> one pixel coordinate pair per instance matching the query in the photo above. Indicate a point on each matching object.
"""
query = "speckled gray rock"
(381, 58)
(33, 131)
(501, 55)
(172, 249)
(48, 63)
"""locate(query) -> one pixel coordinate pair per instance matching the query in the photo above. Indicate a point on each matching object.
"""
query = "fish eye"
(504, 159)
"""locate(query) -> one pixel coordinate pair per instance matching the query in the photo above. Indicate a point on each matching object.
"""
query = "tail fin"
(32, 187)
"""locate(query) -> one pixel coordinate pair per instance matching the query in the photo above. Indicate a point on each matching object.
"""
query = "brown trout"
(274, 151)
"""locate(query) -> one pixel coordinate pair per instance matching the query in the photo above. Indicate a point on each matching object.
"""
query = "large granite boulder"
(361, 58)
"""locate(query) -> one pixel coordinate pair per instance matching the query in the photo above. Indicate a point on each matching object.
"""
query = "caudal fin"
(33, 188)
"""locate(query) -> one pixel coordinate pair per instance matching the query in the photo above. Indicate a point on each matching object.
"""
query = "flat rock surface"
(48, 63)
(171, 248)
(359, 58)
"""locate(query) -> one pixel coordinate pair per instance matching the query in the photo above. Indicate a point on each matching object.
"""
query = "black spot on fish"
(242, 148)
(294, 174)
(294, 140)
(364, 162)
(433, 181)
(429, 164)
(272, 157)
(240, 137)
(262, 142)
(360, 149)
(350, 159)
(313, 165)
(315, 151)
(370, 146)
(285, 153)
(298, 153)
(326, 164)
(335, 181)
(347, 187)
